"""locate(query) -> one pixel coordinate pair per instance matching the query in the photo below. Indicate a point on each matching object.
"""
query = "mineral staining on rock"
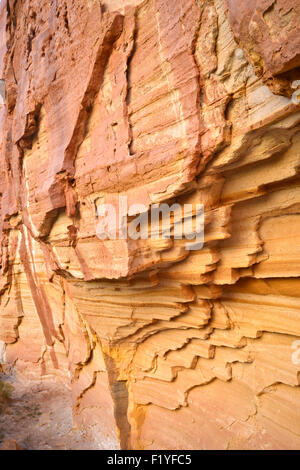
(158, 101)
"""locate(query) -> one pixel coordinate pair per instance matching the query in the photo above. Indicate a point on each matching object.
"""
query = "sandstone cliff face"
(159, 101)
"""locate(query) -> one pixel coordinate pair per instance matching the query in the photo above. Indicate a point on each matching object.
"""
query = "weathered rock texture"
(158, 100)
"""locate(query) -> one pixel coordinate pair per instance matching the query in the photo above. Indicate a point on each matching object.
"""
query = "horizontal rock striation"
(161, 101)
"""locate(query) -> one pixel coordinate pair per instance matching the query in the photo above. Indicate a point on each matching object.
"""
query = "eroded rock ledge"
(158, 100)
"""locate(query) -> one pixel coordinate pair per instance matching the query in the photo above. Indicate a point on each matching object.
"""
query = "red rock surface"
(158, 101)
(269, 32)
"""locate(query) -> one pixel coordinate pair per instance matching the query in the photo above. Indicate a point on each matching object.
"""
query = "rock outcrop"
(161, 101)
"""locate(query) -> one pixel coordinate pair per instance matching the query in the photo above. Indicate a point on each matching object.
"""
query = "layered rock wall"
(186, 101)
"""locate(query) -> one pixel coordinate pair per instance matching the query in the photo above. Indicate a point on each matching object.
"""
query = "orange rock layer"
(184, 101)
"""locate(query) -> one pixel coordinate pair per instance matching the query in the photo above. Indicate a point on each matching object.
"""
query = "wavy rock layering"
(184, 101)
